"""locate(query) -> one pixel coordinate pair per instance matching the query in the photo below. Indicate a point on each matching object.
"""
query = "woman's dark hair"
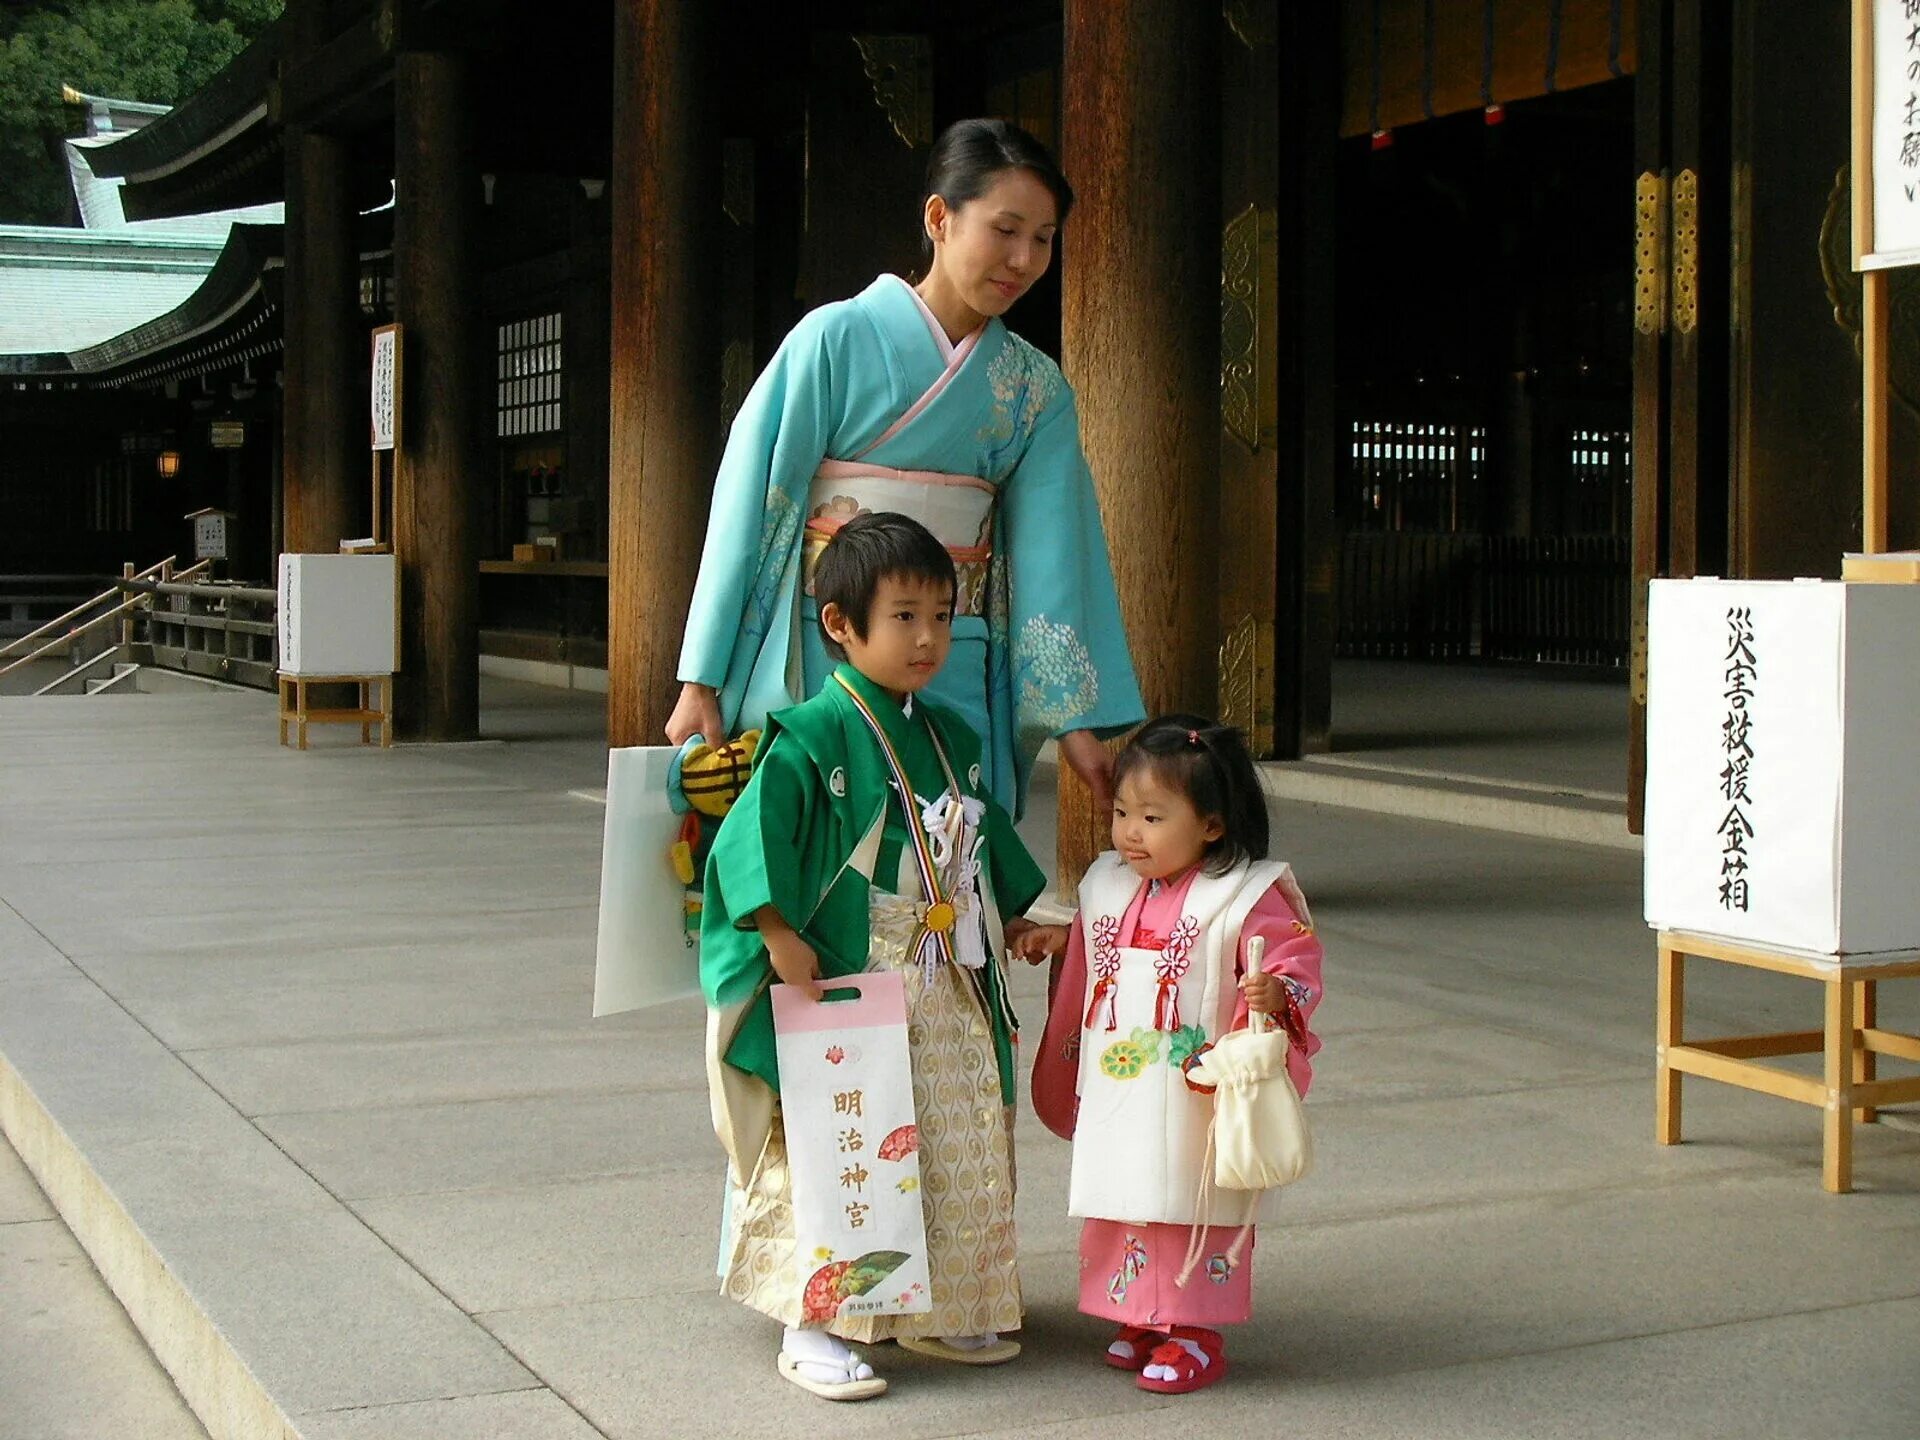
(969, 153)
(1209, 764)
(861, 554)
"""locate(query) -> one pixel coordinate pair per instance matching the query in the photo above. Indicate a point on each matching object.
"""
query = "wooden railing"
(1549, 599)
(222, 632)
(126, 597)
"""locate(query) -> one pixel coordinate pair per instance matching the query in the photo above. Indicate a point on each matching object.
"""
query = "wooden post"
(1670, 1028)
(1874, 327)
(1140, 337)
(1836, 1150)
(323, 423)
(443, 460)
(664, 424)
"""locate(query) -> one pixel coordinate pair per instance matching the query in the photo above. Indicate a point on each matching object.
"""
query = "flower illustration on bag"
(1123, 1060)
(844, 1279)
(835, 1054)
(1219, 1269)
(900, 1143)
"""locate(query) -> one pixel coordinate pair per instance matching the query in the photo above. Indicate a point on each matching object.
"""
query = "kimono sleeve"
(759, 857)
(1294, 957)
(1056, 1060)
(759, 500)
(1017, 878)
(1070, 667)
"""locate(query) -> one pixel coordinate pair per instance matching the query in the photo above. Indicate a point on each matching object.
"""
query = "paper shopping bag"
(646, 953)
(846, 1095)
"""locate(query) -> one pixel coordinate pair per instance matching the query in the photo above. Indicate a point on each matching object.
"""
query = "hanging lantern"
(167, 463)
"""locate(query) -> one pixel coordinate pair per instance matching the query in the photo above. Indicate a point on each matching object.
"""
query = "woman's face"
(992, 249)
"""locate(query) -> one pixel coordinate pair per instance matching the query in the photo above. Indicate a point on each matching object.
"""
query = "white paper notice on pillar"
(1780, 787)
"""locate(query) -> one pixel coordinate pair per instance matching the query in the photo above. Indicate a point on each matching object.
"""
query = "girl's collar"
(1157, 888)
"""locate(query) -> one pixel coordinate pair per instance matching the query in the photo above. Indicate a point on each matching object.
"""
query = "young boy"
(820, 870)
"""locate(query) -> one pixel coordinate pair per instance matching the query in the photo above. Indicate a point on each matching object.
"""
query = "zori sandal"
(1138, 1341)
(848, 1389)
(998, 1353)
(1191, 1360)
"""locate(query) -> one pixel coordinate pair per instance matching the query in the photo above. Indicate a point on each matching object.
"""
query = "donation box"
(1783, 784)
(338, 615)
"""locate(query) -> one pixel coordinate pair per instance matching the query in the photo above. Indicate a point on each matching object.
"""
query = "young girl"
(1155, 969)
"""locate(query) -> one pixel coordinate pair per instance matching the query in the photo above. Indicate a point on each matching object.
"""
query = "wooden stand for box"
(1849, 1042)
(295, 710)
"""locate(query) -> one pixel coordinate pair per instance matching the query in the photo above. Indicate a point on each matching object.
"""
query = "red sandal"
(1180, 1370)
(1142, 1342)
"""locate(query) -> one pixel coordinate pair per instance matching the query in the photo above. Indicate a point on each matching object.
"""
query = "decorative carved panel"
(1249, 395)
(901, 69)
(1246, 682)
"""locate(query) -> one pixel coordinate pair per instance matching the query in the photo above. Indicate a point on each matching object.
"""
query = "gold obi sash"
(958, 509)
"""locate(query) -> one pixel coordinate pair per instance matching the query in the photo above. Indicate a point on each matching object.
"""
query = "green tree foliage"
(152, 50)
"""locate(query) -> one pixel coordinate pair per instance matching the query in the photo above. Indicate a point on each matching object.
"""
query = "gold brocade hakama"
(966, 1167)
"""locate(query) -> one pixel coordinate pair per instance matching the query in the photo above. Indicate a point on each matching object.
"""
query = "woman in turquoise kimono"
(918, 399)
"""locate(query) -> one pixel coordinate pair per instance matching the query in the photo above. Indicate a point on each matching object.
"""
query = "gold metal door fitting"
(1650, 254)
(1686, 252)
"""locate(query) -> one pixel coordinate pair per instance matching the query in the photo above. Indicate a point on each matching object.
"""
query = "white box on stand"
(1782, 784)
(337, 614)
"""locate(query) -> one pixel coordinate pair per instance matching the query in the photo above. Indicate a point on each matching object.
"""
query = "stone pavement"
(298, 1045)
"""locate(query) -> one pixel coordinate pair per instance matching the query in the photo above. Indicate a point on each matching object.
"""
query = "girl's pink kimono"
(1150, 978)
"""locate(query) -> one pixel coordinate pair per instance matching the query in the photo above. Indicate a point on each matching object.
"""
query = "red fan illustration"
(900, 1143)
(841, 1279)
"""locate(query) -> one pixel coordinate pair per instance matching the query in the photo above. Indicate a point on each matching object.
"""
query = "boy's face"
(909, 632)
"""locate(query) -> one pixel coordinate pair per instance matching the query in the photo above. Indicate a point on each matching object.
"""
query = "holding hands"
(1035, 943)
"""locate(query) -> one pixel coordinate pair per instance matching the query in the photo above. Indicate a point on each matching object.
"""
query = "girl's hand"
(697, 712)
(1092, 762)
(1263, 992)
(1035, 943)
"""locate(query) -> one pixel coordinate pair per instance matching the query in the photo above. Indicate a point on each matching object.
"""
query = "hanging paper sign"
(1893, 138)
(386, 387)
(846, 1098)
(1779, 799)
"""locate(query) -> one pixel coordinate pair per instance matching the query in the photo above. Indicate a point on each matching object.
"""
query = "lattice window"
(528, 375)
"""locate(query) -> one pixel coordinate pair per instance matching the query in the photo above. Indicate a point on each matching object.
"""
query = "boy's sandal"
(867, 1389)
(998, 1353)
(1140, 1343)
(1173, 1369)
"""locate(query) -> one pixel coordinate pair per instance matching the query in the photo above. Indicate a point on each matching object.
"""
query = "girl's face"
(992, 249)
(1156, 829)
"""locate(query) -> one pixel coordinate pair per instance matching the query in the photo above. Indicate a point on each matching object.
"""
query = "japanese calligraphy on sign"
(1894, 136)
(1736, 731)
(385, 398)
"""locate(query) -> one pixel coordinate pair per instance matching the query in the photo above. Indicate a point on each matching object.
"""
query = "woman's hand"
(697, 712)
(1092, 762)
(1035, 943)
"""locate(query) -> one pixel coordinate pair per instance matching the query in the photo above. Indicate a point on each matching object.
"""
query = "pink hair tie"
(1193, 737)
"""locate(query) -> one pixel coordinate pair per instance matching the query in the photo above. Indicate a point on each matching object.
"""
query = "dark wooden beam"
(664, 430)
(1140, 336)
(444, 456)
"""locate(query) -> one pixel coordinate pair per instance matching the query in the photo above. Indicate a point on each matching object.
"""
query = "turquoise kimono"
(815, 826)
(1047, 656)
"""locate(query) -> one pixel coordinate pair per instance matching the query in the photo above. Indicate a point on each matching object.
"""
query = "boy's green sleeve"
(757, 859)
(1017, 878)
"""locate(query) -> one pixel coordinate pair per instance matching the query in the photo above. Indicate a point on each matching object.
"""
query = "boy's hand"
(795, 963)
(1035, 943)
(1263, 992)
(792, 958)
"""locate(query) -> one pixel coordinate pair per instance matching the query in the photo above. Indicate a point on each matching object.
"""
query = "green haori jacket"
(815, 824)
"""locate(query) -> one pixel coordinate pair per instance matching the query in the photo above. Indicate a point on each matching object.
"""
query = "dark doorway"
(1485, 384)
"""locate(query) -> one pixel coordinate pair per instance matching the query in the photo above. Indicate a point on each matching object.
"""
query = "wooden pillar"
(1140, 339)
(323, 465)
(444, 462)
(664, 430)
